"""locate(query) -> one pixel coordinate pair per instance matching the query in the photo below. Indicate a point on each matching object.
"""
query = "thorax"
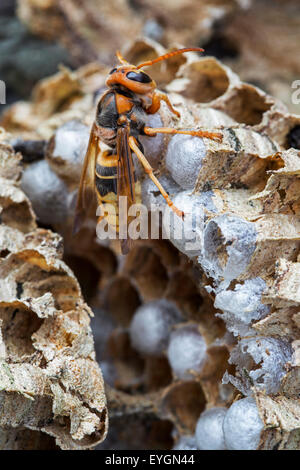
(113, 104)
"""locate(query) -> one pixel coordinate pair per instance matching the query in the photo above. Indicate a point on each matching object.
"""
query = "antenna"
(168, 55)
(121, 58)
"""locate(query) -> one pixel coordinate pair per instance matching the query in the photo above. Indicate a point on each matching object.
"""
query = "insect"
(120, 120)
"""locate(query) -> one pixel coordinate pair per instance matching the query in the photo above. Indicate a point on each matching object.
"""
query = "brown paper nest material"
(52, 391)
(252, 175)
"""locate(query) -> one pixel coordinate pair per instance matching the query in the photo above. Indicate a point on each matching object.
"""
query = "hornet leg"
(159, 96)
(151, 132)
(149, 171)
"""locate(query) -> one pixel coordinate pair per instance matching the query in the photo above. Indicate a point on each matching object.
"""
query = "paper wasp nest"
(94, 30)
(52, 392)
(181, 332)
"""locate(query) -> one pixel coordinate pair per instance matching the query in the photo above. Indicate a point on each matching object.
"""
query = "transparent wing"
(126, 183)
(86, 193)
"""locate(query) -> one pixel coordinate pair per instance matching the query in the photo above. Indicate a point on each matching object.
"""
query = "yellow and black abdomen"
(106, 175)
(107, 186)
(106, 182)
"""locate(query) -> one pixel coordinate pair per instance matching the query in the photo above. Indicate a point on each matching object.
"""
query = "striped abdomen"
(106, 181)
(106, 184)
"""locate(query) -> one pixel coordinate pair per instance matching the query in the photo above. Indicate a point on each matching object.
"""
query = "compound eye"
(139, 77)
(112, 71)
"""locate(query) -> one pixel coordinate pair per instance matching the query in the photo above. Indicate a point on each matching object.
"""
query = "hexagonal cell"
(146, 269)
(121, 311)
(158, 373)
(247, 104)
(142, 50)
(184, 291)
(85, 245)
(183, 403)
(229, 243)
(204, 80)
(86, 274)
(35, 278)
(18, 326)
(63, 288)
(128, 365)
(17, 215)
